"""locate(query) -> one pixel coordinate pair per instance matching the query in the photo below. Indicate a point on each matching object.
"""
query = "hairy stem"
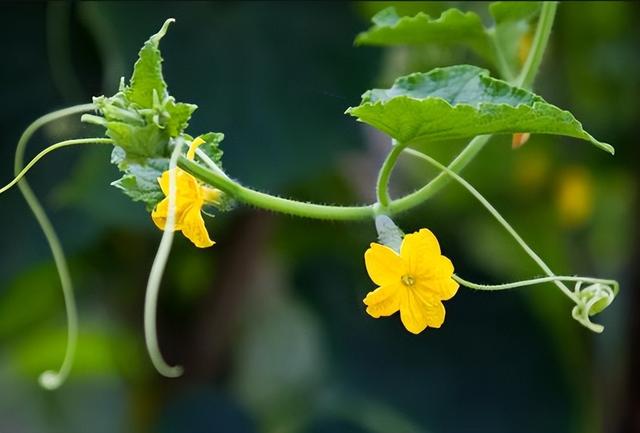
(273, 203)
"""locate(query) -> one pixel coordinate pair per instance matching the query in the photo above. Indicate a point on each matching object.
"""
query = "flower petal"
(187, 187)
(383, 264)
(435, 278)
(163, 180)
(442, 288)
(417, 312)
(194, 229)
(419, 249)
(412, 313)
(435, 315)
(191, 153)
(384, 301)
(159, 214)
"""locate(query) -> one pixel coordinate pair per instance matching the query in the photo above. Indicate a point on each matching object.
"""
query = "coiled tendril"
(592, 300)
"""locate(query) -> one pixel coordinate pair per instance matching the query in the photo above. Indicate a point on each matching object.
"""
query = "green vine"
(147, 128)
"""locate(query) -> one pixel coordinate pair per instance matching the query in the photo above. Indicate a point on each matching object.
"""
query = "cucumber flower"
(415, 281)
(191, 195)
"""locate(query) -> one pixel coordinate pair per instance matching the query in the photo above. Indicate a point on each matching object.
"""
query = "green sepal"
(459, 102)
(226, 204)
(389, 233)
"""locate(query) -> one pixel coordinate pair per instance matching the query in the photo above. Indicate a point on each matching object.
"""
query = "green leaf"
(211, 145)
(452, 27)
(460, 102)
(178, 116)
(139, 141)
(141, 181)
(147, 72)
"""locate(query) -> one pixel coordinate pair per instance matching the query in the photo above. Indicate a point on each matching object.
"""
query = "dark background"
(269, 324)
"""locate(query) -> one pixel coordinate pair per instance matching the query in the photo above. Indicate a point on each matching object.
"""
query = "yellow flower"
(190, 197)
(416, 281)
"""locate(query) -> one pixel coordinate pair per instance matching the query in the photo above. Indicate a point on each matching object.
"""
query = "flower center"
(408, 280)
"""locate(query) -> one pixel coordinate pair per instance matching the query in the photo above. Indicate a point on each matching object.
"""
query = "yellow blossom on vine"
(190, 197)
(415, 281)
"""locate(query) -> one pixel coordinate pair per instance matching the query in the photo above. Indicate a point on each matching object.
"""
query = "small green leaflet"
(460, 102)
(453, 26)
(143, 120)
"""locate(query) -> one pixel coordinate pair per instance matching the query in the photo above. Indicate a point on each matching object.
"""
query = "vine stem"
(155, 275)
(382, 185)
(213, 176)
(538, 46)
(436, 184)
(52, 379)
(498, 218)
(273, 203)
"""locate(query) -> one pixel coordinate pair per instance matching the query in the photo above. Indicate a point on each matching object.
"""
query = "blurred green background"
(269, 324)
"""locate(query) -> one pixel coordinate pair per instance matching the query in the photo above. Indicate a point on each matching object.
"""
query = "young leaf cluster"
(143, 119)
